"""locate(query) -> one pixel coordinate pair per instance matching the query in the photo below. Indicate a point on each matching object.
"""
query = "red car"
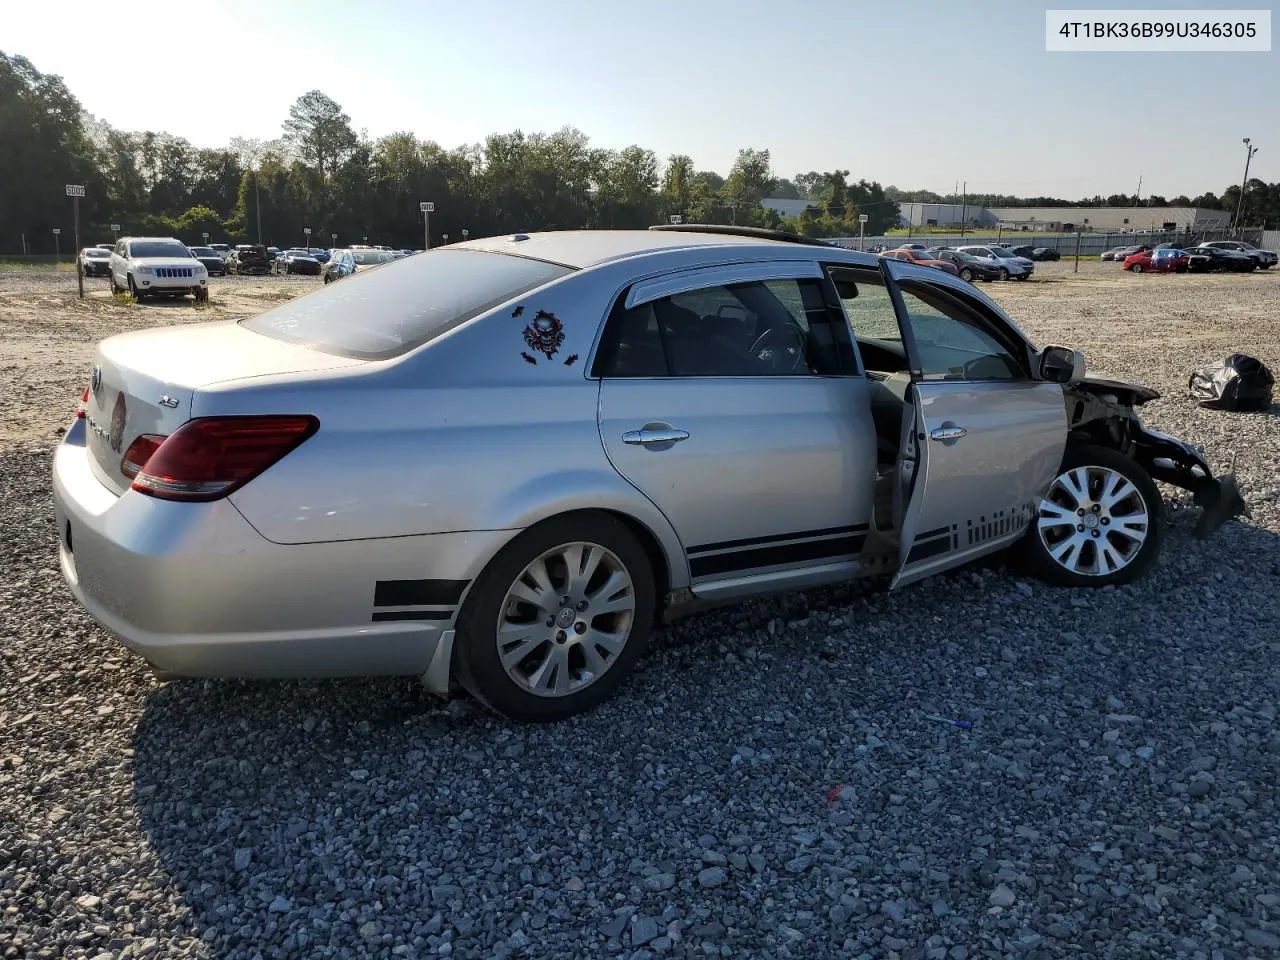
(1158, 261)
(922, 258)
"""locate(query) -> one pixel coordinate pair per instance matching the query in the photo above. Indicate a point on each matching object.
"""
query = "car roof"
(586, 248)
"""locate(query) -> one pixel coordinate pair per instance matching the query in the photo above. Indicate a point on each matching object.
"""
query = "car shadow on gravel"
(764, 752)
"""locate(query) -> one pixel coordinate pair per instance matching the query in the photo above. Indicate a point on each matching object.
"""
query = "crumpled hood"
(1134, 394)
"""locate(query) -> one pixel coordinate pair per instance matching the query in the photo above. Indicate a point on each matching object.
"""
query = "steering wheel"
(772, 348)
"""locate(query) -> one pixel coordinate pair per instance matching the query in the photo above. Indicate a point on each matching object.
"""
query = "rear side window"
(385, 310)
(751, 329)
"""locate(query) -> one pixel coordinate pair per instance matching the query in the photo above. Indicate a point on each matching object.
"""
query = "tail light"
(208, 458)
(139, 452)
(83, 405)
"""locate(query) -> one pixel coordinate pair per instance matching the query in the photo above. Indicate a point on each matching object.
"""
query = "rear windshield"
(380, 313)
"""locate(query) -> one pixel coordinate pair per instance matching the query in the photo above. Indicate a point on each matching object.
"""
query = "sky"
(918, 94)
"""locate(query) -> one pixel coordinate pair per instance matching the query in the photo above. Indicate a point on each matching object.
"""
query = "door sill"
(778, 580)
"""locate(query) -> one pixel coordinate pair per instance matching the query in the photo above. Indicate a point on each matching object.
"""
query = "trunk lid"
(144, 382)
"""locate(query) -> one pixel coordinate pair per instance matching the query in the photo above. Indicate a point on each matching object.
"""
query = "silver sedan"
(500, 463)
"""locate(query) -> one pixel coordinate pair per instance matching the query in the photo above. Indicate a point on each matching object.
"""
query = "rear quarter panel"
(478, 430)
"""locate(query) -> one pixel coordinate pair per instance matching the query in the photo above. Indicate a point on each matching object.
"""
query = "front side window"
(951, 339)
(751, 329)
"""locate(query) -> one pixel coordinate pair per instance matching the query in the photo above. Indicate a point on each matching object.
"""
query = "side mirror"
(1061, 365)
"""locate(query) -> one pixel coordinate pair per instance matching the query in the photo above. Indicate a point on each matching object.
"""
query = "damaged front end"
(1102, 411)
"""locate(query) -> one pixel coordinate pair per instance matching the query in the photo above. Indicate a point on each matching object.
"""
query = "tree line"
(323, 175)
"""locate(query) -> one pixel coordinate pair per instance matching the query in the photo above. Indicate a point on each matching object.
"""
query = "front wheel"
(967, 275)
(1136, 268)
(1099, 524)
(557, 619)
(1004, 274)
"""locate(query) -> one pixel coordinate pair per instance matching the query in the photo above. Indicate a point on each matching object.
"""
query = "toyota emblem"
(95, 382)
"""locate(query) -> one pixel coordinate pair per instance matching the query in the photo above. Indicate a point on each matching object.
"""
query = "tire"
(133, 290)
(1024, 276)
(201, 294)
(1004, 274)
(477, 661)
(115, 287)
(967, 275)
(1136, 268)
(1081, 567)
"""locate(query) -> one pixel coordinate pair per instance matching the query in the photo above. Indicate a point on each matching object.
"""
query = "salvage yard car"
(1168, 260)
(95, 262)
(1005, 260)
(156, 266)
(249, 259)
(499, 463)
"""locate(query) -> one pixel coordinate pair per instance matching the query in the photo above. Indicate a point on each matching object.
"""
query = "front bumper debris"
(1177, 462)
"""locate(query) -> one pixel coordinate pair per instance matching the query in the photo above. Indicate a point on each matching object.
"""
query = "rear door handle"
(948, 432)
(655, 435)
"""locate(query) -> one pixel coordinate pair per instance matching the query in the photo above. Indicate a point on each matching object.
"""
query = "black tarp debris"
(1240, 382)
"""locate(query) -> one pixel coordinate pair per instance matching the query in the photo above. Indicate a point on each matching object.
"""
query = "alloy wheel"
(1093, 521)
(565, 619)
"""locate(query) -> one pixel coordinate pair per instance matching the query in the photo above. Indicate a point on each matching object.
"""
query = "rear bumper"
(196, 591)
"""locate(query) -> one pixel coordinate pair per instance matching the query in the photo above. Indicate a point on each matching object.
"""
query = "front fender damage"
(1102, 412)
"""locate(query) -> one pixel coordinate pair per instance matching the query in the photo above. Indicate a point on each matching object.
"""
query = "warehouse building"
(946, 215)
(1111, 219)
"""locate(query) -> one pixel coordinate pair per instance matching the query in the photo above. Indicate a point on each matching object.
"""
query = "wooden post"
(1077, 269)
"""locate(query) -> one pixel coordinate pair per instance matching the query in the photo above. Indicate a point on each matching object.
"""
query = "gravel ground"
(766, 785)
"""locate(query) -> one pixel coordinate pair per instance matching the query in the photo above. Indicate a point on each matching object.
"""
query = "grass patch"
(124, 298)
(37, 263)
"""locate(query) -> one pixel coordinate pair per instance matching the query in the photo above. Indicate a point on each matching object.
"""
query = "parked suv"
(1005, 260)
(157, 266)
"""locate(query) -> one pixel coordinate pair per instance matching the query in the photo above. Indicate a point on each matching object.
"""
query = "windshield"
(1004, 252)
(369, 257)
(97, 254)
(202, 252)
(383, 313)
(157, 248)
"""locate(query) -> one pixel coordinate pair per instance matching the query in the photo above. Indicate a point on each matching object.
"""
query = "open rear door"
(976, 454)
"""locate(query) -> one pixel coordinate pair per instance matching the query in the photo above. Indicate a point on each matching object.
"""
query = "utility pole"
(257, 199)
(1249, 152)
(1139, 193)
(964, 205)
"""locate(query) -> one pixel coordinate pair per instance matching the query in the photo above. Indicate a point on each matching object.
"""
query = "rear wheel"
(1099, 524)
(557, 619)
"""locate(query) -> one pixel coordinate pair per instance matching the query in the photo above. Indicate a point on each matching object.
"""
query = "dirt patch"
(48, 335)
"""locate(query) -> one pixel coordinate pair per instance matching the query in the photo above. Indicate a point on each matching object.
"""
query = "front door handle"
(655, 434)
(948, 432)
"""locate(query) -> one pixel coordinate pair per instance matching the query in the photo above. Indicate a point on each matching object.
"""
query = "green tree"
(677, 185)
(319, 132)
